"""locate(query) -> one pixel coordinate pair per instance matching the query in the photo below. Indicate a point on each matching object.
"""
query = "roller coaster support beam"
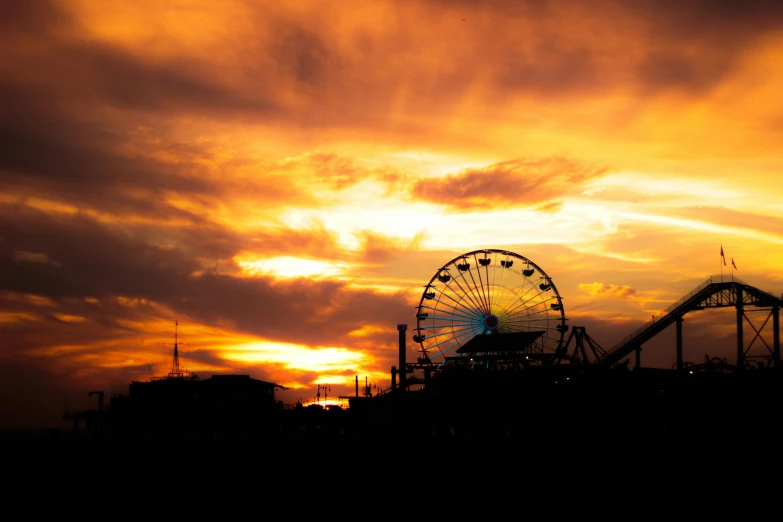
(740, 341)
(679, 342)
(638, 357)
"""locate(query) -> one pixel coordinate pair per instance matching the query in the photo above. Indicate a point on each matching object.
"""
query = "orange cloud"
(517, 182)
(610, 291)
(378, 248)
(32, 257)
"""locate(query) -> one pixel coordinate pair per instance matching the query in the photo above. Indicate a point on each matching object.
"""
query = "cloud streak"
(517, 182)
(610, 291)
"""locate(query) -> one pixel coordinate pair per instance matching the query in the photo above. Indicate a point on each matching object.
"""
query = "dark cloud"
(300, 71)
(60, 154)
(726, 21)
(46, 153)
(31, 17)
(303, 54)
(552, 71)
(106, 74)
(571, 48)
(104, 261)
(72, 114)
(661, 70)
(125, 81)
(511, 183)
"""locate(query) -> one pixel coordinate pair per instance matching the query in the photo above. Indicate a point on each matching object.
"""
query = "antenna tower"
(176, 371)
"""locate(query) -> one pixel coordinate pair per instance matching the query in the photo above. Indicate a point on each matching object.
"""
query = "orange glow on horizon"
(288, 267)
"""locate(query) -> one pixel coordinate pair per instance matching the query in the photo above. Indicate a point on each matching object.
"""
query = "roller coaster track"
(714, 292)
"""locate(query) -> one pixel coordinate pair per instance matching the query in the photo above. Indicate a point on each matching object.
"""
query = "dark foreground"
(465, 409)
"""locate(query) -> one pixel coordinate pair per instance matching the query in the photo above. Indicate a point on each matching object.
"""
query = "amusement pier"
(498, 360)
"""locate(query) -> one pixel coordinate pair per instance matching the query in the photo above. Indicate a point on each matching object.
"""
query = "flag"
(721, 255)
(732, 263)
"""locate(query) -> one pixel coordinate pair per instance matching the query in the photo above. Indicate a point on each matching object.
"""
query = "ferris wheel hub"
(491, 321)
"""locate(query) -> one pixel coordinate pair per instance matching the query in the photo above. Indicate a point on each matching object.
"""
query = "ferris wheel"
(489, 295)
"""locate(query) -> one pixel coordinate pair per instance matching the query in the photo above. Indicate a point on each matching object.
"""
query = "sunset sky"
(282, 178)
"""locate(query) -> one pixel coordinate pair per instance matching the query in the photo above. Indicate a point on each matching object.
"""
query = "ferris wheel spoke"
(507, 292)
(464, 334)
(483, 290)
(480, 286)
(451, 312)
(537, 326)
(449, 332)
(446, 352)
(519, 299)
(504, 295)
(525, 297)
(437, 348)
(524, 320)
(455, 341)
(505, 314)
(451, 320)
(520, 315)
(489, 288)
(469, 295)
(501, 292)
(440, 326)
(468, 309)
(511, 311)
(449, 326)
(452, 324)
(494, 289)
(528, 325)
(456, 335)
(456, 312)
(474, 290)
(523, 303)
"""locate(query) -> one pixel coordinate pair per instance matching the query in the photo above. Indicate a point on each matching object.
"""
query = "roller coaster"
(714, 292)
